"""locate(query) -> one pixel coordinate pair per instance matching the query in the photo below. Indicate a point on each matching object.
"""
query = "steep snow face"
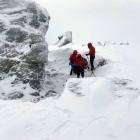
(23, 50)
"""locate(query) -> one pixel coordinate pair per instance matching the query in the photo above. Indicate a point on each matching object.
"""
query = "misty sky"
(94, 20)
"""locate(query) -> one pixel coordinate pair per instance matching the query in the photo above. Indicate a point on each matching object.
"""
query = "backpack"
(85, 63)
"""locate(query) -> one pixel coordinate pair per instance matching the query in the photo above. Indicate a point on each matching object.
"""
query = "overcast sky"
(94, 20)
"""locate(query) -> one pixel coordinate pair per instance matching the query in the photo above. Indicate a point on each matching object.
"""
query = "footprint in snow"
(75, 88)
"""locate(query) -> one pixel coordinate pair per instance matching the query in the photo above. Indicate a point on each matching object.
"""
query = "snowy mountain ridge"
(105, 107)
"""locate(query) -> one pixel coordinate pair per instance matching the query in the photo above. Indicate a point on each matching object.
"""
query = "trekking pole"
(87, 58)
(88, 61)
(93, 73)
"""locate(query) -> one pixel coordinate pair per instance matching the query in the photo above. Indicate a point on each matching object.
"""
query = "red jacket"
(73, 57)
(91, 51)
(79, 61)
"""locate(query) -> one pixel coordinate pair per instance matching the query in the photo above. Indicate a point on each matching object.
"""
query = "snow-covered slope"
(87, 110)
(104, 107)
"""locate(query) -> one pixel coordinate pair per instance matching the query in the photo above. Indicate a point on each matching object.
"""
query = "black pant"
(80, 71)
(73, 70)
(92, 62)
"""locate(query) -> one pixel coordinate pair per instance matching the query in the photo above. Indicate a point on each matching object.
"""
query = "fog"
(94, 20)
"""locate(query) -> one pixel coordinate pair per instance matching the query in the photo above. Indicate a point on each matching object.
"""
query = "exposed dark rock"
(20, 21)
(16, 34)
(8, 50)
(35, 38)
(16, 81)
(49, 83)
(15, 95)
(43, 18)
(35, 94)
(101, 62)
(22, 11)
(42, 97)
(2, 27)
(51, 93)
(37, 55)
(6, 65)
(25, 81)
(29, 73)
(35, 84)
(34, 22)
(32, 8)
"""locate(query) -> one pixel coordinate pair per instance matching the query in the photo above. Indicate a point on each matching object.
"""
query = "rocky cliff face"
(23, 50)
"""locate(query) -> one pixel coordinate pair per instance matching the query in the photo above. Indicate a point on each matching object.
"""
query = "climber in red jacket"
(72, 60)
(79, 66)
(92, 55)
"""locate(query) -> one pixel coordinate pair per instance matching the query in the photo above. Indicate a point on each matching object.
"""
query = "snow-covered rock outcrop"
(64, 39)
(23, 50)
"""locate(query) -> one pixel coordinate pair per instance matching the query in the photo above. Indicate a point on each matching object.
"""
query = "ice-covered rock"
(64, 39)
(23, 50)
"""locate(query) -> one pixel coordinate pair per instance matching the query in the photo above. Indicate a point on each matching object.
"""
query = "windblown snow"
(105, 107)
